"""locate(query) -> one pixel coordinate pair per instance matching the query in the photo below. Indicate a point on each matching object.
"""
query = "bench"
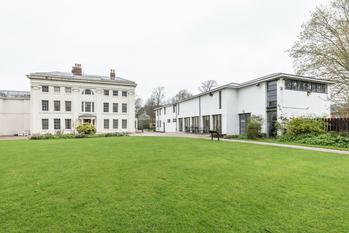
(216, 133)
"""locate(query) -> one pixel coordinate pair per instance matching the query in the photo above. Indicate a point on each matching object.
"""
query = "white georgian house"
(60, 101)
(228, 108)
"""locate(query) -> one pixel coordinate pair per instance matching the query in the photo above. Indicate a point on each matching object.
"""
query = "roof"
(7, 94)
(81, 78)
(265, 78)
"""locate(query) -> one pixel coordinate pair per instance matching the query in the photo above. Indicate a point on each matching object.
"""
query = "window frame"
(106, 124)
(124, 121)
(115, 123)
(68, 108)
(116, 107)
(106, 92)
(65, 123)
(55, 120)
(105, 107)
(45, 87)
(124, 93)
(115, 91)
(42, 105)
(46, 120)
(59, 105)
(124, 108)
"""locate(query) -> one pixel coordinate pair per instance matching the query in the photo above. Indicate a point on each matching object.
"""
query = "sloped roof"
(83, 77)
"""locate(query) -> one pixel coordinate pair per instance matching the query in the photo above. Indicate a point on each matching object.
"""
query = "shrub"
(254, 127)
(327, 139)
(86, 128)
(301, 125)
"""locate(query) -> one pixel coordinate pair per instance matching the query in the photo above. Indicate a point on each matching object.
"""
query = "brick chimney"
(112, 74)
(76, 69)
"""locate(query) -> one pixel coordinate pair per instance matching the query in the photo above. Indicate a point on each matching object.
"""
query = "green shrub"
(301, 126)
(86, 128)
(327, 139)
(254, 127)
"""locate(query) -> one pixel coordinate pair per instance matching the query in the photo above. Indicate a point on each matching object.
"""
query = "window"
(164, 110)
(105, 107)
(206, 123)
(115, 93)
(87, 92)
(68, 106)
(220, 100)
(57, 123)
(44, 124)
(174, 120)
(106, 92)
(87, 106)
(57, 89)
(115, 123)
(44, 105)
(217, 122)
(67, 123)
(124, 124)
(174, 108)
(44, 88)
(297, 85)
(271, 94)
(168, 120)
(115, 107)
(124, 93)
(124, 108)
(57, 105)
(106, 123)
(67, 90)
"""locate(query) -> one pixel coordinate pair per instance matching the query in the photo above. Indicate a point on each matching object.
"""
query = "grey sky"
(175, 44)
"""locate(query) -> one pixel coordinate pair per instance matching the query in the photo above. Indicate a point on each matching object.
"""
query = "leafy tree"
(322, 49)
(208, 85)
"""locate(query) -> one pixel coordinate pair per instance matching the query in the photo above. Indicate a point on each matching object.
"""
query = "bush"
(86, 128)
(327, 139)
(254, 127)
(301, 126)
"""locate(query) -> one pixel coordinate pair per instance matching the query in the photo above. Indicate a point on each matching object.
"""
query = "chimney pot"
(76, 69)
(112, 74)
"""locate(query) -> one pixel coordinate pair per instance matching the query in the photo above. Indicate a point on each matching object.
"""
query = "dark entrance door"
(243, 120)
(271, 123)
(164, 127)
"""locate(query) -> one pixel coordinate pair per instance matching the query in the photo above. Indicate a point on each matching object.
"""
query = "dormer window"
(87, 92)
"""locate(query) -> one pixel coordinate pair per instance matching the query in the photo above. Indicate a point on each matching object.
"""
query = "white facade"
(74, 99)
(228, 107)
(14, 112)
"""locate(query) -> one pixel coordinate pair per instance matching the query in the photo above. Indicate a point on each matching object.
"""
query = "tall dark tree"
(322, 49)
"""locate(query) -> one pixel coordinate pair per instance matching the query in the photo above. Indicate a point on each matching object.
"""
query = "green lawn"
(149, 184)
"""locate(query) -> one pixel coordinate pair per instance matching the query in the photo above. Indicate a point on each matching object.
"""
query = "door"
(164, 130)
(271, 123)
(87, 121)
(243, 121)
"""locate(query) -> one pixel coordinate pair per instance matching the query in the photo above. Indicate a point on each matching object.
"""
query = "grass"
(149, 184)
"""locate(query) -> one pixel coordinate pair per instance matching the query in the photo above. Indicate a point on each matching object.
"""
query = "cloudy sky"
(176, 44)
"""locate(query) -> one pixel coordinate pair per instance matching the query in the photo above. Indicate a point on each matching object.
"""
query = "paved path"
(203, 136)
(11, 138)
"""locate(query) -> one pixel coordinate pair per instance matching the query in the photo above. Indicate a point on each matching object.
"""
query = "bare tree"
(181, 95)
(208, 85)
(158, 96)
(138, 106)
(322, 49)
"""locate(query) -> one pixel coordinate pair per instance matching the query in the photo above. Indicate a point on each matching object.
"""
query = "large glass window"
(44, 105)
(44, 124)
(272, 94)
(57, 105)
(105, 107)
(243, 121)
(206, 124)
(115, 107)
(68, 106)
(217, 122)
(124, 108)
(297, 85)
(124, 124)
(57, 123)
(106, 123)
(87, 106)
(44, 88)
(67, 123)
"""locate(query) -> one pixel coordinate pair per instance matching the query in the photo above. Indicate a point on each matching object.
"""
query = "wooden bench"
(216, 133)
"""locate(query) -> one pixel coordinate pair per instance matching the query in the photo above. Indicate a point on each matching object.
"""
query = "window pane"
(44, 105)
(106, 92)
(124, 93)
(44, 124)
(105, 107)
(115, 123)
(106, 123)
(68, 90)
(44, 88)
(124, 108)
(115, 107)
(124, 124)
(115, 93)
(57, 89)
(67, 106)
(57, 123)
(57, 105)
(68, 123)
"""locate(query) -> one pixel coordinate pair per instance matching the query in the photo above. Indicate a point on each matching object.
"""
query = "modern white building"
(14, 112)
(60, 101)
(228, 108)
